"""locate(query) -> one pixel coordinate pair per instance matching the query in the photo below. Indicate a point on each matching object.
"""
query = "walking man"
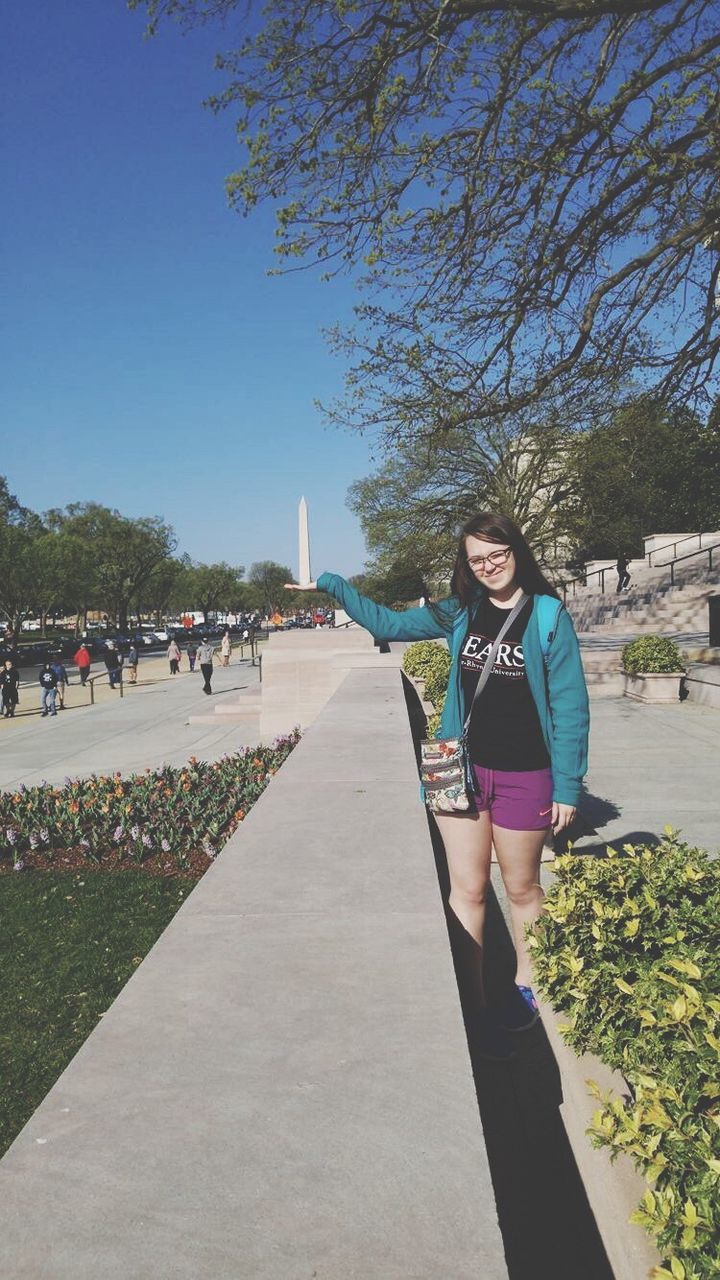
(48, 690)
(62, 681)
(113, 662)
(83, 662)
(173, 654)
(205, 658)
(9, 682)
(622, 572)
(132, 663)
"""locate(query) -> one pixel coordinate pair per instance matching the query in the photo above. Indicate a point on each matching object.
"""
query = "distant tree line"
(89, 558)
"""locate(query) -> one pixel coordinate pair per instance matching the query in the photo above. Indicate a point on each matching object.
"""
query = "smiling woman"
(525, 723)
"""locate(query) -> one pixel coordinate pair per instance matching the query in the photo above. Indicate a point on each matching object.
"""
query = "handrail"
(688, 537)
(100, 676)
(667, 564)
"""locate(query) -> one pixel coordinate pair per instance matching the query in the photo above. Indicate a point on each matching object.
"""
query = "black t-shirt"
(505, 728)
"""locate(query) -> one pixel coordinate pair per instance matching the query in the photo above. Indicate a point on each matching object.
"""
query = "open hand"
(298, 586)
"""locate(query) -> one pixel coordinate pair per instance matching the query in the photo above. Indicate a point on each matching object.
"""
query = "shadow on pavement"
(547, 1225)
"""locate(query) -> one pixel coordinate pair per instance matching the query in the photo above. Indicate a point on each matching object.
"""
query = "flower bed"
(627, 948)
(168, 822)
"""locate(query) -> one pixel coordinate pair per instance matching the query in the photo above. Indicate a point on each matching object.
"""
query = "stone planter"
(654, 686)
(613, 1187)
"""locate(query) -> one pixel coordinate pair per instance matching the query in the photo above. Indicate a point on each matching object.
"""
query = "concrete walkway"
(147, 727)
(282, 1090)
(650, 765)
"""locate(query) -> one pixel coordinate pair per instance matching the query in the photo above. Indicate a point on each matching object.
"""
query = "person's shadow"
(546, 1222)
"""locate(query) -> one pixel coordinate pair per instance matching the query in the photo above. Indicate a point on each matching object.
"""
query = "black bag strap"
(490, 660)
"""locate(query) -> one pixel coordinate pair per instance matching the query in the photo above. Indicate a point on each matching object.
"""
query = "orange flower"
(74, 807)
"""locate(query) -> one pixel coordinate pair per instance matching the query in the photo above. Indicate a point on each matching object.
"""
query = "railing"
(101, 676)
(659, 550)
(668, 564)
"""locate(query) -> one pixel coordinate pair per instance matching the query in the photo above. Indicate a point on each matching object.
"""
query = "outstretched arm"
(421, 623)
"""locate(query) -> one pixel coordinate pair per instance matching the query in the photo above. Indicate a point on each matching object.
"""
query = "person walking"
(192, 654)
(173, 653)
(83, 662)
(526, 740)
(132, 663)
(62, 680)
(205, 658)
(48, 689)
(9, 688)
(113, 662)
(225, 648)
(623, 581)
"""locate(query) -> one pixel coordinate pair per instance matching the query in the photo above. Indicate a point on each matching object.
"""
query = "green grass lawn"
(69, 941)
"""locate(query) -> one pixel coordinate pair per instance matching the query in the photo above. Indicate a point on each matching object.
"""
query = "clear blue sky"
(149, 363)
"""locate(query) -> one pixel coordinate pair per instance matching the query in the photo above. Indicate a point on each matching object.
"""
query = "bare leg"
(467, 841)
(518, 854)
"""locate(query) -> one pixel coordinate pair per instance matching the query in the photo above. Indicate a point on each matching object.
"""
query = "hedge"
(655, 654)
(430, 662)
(627, 948)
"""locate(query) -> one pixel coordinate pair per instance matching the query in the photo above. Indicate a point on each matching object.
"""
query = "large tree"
(411, 508)
(269, 578)
(125, 551)
(531, 184)
(62, 567)
(211, 587)
(649, 470)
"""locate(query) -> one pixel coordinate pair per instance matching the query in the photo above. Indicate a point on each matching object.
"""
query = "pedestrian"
(48, 689)
(527, 738)
(62, 680)
(132, 663)
(225, 648)
(83, 662)
(192, 654)
(205, 658)
(9, 688)
(113, 662)
(623, 581)
(173, 653)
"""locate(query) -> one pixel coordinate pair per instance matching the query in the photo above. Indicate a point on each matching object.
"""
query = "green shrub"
(652, 654)
(430, 662)
(627, 947)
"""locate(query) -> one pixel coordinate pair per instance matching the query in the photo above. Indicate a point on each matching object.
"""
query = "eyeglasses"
(495, 558)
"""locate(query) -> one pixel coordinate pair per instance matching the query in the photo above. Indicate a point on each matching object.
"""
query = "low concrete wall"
(613, 1188)
(283, 1089)
(702, 682)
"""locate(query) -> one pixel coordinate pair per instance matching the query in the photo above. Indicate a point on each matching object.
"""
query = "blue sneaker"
(488, 1039)
(520, 1012)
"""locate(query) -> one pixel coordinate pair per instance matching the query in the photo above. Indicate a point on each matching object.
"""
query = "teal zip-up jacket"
(557, 682)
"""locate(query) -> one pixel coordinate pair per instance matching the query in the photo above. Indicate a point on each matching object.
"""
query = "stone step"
(243, 706)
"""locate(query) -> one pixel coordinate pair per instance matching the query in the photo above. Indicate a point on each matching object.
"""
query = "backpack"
(548, 614)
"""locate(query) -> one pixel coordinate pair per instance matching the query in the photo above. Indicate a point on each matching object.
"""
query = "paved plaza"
(651, 765)
(146, 728)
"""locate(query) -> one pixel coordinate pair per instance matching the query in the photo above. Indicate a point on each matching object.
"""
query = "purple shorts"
(518, 801)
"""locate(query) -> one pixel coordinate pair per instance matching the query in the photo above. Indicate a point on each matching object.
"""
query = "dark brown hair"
(495, 528)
